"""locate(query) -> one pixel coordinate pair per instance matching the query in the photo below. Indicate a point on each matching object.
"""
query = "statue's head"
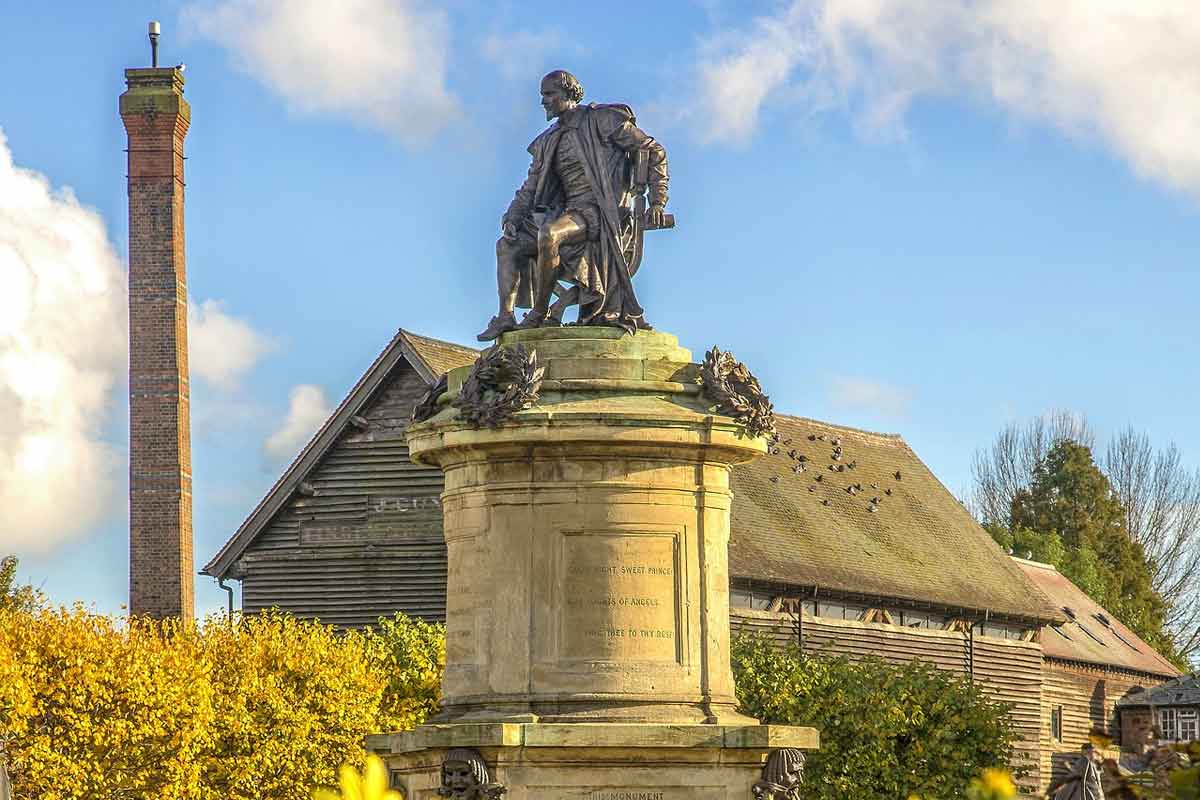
(561, 91)
(784, 767)
(463, 771)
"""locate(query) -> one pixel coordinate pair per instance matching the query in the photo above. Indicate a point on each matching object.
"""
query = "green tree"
(1158, 491)
(1070, 516)
(886, 731)
(12, 594)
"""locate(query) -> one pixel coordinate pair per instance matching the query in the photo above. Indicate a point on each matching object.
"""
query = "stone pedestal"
(587, 542)
(607, 761)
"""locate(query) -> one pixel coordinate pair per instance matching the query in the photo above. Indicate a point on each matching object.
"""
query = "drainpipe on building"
(814, 599)
(971, 651)
(228, 591)
(971, 655)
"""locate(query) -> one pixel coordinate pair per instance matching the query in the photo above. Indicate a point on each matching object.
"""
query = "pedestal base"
(591, 761)
(587, 535)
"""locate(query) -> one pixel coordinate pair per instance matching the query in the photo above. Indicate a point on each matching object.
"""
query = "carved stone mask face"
(457, 776)
(555, 100)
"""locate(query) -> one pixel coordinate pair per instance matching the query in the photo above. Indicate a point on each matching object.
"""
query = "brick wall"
(161, 572)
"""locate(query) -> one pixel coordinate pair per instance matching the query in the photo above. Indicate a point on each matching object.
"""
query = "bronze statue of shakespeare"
(579, 216)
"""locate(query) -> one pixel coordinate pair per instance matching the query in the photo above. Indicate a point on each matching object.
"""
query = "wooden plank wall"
(1010, 670)
(1088, 696)
(369, 541)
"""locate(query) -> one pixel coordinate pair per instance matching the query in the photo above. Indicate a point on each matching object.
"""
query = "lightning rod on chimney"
(154, 31)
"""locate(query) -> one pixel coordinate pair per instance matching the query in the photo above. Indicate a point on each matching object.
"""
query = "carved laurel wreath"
(502, 382)
(428, 404)
(737, 392)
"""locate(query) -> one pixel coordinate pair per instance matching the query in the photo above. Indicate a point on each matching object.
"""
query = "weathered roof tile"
(1090, 634)
(920, 544)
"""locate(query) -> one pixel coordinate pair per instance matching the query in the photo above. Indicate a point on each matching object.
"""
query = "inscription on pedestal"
(675, 792)
(620, 597)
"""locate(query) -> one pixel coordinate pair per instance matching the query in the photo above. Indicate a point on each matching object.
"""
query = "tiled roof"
(919, 544)
(1091, 634)
(438, 356)
(807, 528)
(1182, 691)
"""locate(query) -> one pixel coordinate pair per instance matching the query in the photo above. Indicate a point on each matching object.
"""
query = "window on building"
(998, 631)
(748, 598)
(1107, 623)
(920, 619)
(1056, 715)
(1168, 723)
(1128, 643)
(810, 607)
(838, 610)
(1093, 636)
(830, 610)
(1187, 725)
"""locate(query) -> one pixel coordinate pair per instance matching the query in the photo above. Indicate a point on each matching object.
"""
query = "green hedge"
(887, 731)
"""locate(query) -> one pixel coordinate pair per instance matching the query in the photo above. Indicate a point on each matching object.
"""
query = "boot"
(532, 319)
(501, 323)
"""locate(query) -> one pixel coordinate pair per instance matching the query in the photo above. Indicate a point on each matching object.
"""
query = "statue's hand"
(508, 230)
(654, 217)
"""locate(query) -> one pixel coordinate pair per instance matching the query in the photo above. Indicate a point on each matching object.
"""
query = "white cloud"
(381, 63)
(522, 55)
(868, 395)
(62, 350)
(221, 347)
(307, 411)
(1121, 72)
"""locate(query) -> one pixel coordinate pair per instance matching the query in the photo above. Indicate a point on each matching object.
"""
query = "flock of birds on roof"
(838, 465)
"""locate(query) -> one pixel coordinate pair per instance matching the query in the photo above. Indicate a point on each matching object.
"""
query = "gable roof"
(919, 545)
(1090, 634)
(806, 528)
(433, 358)
(429, 357)
(1182, 691)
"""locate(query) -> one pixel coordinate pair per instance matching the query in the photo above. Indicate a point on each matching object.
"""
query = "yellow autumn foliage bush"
(98, 707)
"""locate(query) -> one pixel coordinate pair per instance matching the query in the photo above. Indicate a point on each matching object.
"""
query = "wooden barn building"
(352, 530)
(1090, 663)
(862, 553)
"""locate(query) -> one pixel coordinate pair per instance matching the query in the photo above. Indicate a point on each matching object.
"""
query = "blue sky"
(924, 220)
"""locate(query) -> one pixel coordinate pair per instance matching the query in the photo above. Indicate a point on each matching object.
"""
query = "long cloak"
(604, 134)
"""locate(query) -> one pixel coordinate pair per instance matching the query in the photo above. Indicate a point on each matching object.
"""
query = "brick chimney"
(156, 121)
